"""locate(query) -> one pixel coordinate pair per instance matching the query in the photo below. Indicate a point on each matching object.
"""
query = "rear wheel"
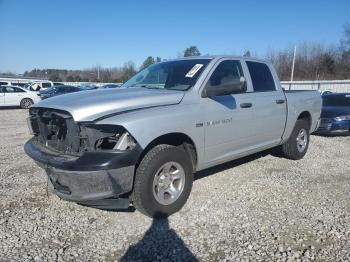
(26, 103)
(163, 181)
(296, 146)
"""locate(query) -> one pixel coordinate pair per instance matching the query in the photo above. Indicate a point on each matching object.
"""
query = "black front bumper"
(88, 178)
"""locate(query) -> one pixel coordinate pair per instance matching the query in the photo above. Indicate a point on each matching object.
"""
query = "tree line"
(98, 73)
(312, 62)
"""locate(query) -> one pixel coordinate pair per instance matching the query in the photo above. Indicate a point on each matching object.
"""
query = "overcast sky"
(81, 34)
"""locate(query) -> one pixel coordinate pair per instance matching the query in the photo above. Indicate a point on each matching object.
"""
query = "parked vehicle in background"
(57, 84)
(110, 86)
(335, 115)
(5, 83)
(141, 143)
(88, 87)
(58, 90)
(18, 84)
(39, 85)
(325, 92)
(9, 83)
(17, 96)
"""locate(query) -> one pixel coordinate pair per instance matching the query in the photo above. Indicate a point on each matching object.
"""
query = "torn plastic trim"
(96, 137)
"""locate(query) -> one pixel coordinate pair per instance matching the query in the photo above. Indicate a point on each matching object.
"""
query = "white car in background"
(18, 96)
(38, 85)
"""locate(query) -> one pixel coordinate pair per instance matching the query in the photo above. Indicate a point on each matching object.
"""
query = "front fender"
(149, 124)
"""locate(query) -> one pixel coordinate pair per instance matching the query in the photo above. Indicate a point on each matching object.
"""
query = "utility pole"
(98, 73)
(292, 74)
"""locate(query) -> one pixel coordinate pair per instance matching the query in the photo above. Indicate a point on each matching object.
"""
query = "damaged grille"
(55, 129)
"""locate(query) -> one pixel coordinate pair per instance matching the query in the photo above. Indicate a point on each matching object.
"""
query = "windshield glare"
(172, 75)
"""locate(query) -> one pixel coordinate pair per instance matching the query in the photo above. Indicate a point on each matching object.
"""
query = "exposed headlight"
(342, 118)
(122, 141)
(106, 137)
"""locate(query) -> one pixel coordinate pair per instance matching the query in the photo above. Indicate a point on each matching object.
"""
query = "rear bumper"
(86, 179)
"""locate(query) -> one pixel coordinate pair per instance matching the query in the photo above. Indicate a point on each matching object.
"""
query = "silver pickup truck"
(141, 144)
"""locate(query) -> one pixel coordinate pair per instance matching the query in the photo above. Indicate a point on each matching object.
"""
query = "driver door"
(229, 119)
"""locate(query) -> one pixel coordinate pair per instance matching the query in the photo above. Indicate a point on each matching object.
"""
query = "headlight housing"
(107, 137)
(342, 118)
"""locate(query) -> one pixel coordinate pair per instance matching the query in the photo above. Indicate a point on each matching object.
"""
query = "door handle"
(280, 101)
(246, 105)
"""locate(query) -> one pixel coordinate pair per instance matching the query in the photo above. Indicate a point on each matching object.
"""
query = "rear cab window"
(261, 77)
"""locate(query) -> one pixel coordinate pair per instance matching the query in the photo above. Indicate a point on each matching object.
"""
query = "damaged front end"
(85, 162)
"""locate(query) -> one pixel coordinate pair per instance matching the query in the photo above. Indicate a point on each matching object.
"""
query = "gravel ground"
(257, 208)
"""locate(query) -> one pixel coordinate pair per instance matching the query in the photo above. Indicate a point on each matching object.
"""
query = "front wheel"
(296, 146)
(163, 181)
(26, 103)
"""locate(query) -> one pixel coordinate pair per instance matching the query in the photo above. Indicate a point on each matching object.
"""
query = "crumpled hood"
(92, 104)
(334, 111)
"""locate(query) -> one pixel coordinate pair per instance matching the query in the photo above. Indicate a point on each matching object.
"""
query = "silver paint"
(149, 114)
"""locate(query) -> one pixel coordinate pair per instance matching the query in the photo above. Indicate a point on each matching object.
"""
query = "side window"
(45, 85)
(261, 77)
(18, 90)
(9, 89)
(226, 73)
(3, 83)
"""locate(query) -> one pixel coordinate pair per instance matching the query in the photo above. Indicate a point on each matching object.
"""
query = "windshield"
(172, 75)
(336, 100)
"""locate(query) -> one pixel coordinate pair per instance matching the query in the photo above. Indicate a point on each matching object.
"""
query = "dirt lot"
(256, 208)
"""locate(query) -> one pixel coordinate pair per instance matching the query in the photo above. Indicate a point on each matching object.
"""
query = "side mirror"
(236, 86)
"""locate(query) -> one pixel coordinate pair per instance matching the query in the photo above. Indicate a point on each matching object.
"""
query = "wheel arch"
(305, 115)
(175, 139)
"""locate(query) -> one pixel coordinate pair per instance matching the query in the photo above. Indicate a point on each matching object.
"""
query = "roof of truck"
(218, 57)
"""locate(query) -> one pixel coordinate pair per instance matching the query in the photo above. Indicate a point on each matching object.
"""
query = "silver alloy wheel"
(302, 140)
(168, 183)
(27, 103)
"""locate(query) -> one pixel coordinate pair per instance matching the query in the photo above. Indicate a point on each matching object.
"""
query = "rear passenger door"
(269, 104)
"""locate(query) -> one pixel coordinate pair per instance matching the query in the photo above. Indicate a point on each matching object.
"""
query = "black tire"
(143, 197)
(290, 147)
(26, 103)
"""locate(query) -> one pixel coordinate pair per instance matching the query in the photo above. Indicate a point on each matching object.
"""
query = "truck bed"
(308, 100)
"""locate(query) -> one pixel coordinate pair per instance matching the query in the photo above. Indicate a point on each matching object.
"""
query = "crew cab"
(141, 144)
